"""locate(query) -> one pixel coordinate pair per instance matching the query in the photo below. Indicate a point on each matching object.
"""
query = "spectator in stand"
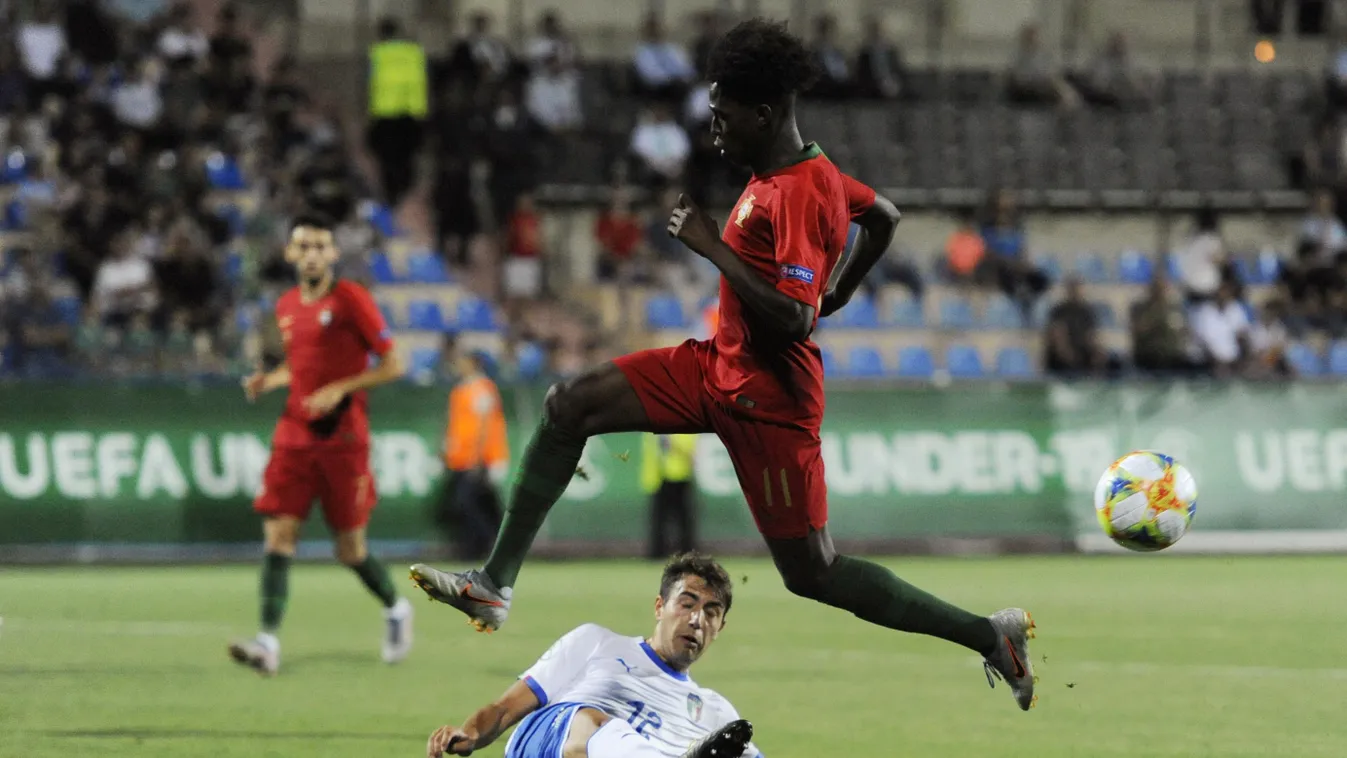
(1160, 331)
(880, 73)
(90, 226)
(835, 80)
(552, 42)
(619, 232)
(327, 185)
(1033, 78)
(965, 251)
(398, 105)
(1071, 339)
(523, 276)
(42, 50)
(1008, 254)
(1268, 340)
(92, 32)
(1322, 234)
(1221, 328)
(13, 85)
(708, 31)
(663, 68)
(229, 46)
(187, 279)
(39, 336)
(182, 44)
(512, 148)
(124, 286)
(660, 145)
(137, 103)
(1112, 80)
(1323, 158)
(481, 56)
(552, 96)
(1203, 262)
(282, 99)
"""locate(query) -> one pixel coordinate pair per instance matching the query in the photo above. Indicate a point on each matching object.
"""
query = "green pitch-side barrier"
(177, 466)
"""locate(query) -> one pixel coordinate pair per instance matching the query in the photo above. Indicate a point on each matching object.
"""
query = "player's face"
(311, 251)
(736, 127)
(689, 620)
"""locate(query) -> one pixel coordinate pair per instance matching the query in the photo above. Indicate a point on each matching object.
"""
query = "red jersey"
(790, 226)
(325, 341)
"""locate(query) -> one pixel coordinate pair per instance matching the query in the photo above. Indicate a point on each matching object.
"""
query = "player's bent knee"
(806, 583)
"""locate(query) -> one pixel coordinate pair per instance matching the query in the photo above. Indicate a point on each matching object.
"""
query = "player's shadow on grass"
(142, 733)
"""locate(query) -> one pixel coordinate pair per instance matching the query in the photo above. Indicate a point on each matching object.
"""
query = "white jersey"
(623, 677)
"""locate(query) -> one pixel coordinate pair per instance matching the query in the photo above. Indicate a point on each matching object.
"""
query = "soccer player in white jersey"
(598, 694)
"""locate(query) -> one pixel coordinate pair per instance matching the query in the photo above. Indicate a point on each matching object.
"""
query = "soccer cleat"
(1010, 660)
(472, 592)
(398, 631)
(729, 741)
(262, 658)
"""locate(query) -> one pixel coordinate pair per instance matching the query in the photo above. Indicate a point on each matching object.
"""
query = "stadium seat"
(1003, 313)
(1304, 360)
(1337, 359)
(223, 173)
(15, 216)
(859, 314)
(390, 318)
(1135, 268)
(69, 308)
(964, 362)
(381, 218)
(232, 215)
(233, 266)
(1092, 269)
(532, 361)
(425, 315)
(476, 315)
(1172, 268)
(1014, 363)
(829, 358)
(915, 363)
(956, 314)
(1051, 268)
(15, 167)
(663, 311)
(1104, 316)
(907, 314)
(425, 361)
(1266, 269)
(381, 268)
(865, 363)
(427, 268)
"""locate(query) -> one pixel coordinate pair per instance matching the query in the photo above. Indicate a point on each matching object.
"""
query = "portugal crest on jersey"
(695, 707)
(745, 208)
(325, 317)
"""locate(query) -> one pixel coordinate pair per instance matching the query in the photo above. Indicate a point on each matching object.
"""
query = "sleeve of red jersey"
(798, 221)
(369, 322)
(860, 198)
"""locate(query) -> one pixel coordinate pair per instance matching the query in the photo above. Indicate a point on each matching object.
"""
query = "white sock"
(269, 641)
(617, 739)
(400, 610)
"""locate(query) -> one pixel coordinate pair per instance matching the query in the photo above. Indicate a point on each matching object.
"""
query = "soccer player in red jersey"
(758, 383)
(321, 447)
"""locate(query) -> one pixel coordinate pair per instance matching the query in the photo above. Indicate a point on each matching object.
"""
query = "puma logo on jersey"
(625, 666)
(745, 209)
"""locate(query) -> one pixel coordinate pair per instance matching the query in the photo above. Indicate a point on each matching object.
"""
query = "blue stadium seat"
(1135, 268)
(1003, 313)
(1337, 359)
(829, 358)
(532, 361)
(15, 216)
(69, 308)
(1092, 269)
(1104, 316)
(245, 319)
(15, 167)
(1014, 363)
(964, 362)
(1051, 268)
(956, 314)
(390, 318)
(427, 268)
(233, 266)
(425, 315)
(1172, 268)
(223, 172)
(865, 363)
(1304, 359)
(381, 218)
(915, 363)
(907, 314)
(425, 361)
(381, 268)
(476, 315)
(232, 215)
(1266, 268)
(860, 313)
(665, 312)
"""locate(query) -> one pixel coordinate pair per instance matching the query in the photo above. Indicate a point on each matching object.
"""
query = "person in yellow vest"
(666, 475)
(476, 456)
(398, 103)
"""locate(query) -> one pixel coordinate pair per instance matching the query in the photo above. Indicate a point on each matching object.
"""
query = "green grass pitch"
(1144, 656)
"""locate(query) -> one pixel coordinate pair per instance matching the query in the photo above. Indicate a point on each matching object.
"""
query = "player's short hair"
(705, 568)
(760, 61)
(312, 220)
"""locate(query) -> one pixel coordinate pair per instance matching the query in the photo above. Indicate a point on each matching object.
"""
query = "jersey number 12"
(643, 718)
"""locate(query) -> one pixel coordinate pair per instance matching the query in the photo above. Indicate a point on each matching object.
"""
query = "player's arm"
(792, 318)
(878, 219)
(486, 725)
(263, 382)
(369, 322)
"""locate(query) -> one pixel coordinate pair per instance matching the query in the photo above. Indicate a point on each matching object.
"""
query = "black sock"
(275, 590)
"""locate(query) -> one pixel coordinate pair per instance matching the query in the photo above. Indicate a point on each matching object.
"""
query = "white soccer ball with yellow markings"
(1146, 501)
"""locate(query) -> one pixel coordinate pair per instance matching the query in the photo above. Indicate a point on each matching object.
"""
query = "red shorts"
(780, 468)
(339, 479)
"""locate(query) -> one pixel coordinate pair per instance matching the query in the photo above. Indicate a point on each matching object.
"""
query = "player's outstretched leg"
(353, 552)
(594, 734)
(599, 401)
(263, 652)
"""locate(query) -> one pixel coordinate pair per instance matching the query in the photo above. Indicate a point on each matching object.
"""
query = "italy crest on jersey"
(695, 707)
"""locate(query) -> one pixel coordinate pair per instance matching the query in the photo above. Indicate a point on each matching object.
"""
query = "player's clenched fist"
(254, 385)
(451, 740)
(692, 226)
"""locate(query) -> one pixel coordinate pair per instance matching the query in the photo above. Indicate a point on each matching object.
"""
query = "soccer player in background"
(321, 447)
(758, 382)
(600, 694)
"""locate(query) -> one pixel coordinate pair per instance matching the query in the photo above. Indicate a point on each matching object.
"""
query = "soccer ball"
(1145, 501)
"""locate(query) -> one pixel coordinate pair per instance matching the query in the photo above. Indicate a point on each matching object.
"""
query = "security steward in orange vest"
(476, 456)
